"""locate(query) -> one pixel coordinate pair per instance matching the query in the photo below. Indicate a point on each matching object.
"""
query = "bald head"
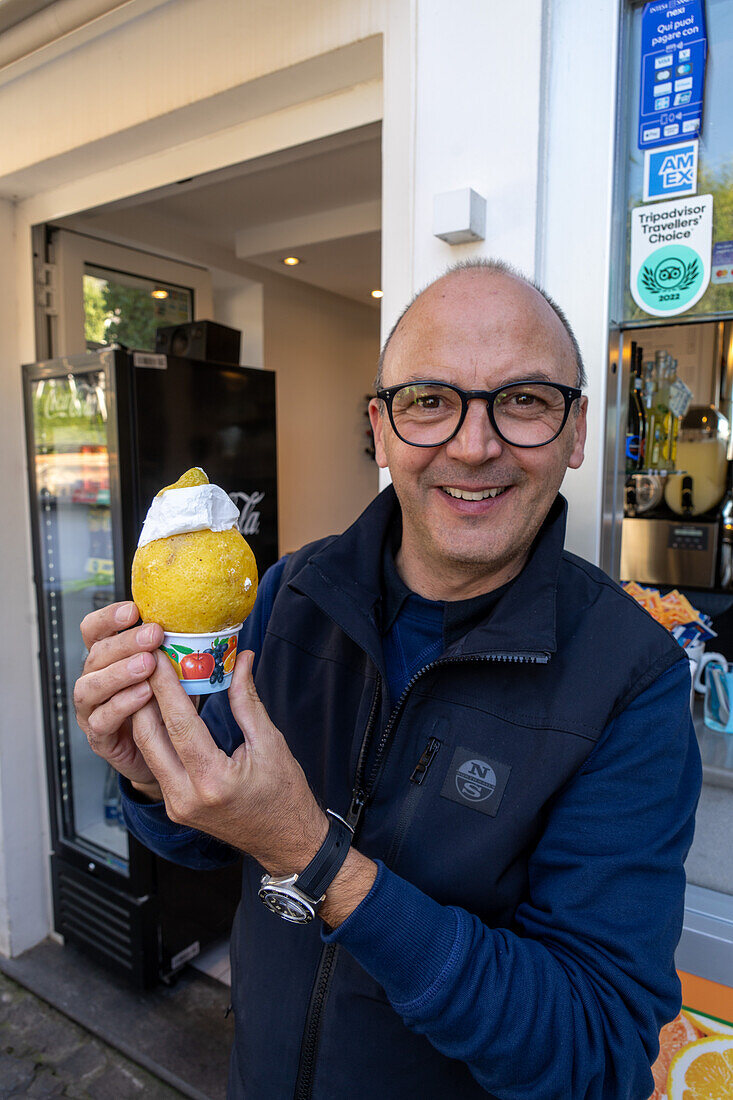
(502, 287)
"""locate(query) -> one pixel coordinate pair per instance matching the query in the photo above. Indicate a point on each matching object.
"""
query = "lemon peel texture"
(194, 476)
(196, 582)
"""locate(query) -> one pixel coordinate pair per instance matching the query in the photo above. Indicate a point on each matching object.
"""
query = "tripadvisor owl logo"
(670, 277)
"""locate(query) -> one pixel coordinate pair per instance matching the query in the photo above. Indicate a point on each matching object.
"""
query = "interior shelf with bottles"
(677, 529)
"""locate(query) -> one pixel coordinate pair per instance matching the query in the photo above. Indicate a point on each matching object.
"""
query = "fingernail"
(122, 614)
(136, 664)
(146, 635)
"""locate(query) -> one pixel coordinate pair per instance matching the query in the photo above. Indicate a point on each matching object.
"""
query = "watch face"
(287, 904)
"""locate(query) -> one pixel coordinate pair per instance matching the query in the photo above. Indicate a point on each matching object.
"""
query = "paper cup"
(203, 662)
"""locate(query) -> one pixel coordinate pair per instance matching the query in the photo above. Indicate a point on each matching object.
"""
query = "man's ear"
(580, 428)
(378, 418)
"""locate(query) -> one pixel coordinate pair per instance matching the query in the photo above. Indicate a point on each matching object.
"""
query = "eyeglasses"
(523, 414)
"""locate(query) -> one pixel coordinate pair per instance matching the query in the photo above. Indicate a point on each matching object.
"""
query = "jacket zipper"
(361, 794)
(309, 1050)
(515, 658)
(409, 804)
(312, 1030)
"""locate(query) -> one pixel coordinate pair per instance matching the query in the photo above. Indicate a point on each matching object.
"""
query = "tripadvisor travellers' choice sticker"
(671, 244)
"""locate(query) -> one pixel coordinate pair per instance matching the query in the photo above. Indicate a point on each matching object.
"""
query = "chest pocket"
(472, 791)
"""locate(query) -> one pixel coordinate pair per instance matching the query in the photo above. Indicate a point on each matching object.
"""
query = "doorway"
(218, 244)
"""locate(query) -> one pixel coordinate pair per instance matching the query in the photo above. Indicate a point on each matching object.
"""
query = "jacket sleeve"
(568, 1004)
(148, 821)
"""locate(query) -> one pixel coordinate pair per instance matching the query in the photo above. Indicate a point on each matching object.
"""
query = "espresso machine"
(674, 529)
(677, 529)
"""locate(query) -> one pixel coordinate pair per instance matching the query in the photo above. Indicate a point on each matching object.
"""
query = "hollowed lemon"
(196, 582)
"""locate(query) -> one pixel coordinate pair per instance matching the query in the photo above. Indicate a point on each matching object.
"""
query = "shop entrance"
(287, 250)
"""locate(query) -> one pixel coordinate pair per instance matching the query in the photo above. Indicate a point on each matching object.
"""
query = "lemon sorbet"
(195, 582)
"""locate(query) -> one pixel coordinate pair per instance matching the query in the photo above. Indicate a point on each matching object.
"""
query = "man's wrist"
(348, 890)
(297, 856)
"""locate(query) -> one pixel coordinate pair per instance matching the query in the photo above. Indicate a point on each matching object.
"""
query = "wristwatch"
(298, 898)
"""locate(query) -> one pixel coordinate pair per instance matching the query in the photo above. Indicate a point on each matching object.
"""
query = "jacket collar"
(344, 579)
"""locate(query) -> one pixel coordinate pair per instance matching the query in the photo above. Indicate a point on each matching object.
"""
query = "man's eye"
(428, 401)
(521, 399)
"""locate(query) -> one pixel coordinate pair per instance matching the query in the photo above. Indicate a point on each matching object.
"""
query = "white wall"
(574, 255)
(239, 303)
(462, 87)
(533, 132)
(324, 349)
(462, 109)
(24, 894)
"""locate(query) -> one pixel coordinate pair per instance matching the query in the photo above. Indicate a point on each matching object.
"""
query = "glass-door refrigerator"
(105, 430)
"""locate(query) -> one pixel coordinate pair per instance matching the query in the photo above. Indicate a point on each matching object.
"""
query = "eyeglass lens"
(529, 414)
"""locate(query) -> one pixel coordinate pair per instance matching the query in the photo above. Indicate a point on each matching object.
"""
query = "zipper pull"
(358, 802)
(429, 753)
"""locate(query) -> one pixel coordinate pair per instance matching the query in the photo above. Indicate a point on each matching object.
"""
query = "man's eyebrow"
(537, 375)
(530, 376)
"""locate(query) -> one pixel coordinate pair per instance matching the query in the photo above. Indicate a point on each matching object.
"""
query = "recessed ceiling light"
(376, 294)
(158, 293)
(291, 261)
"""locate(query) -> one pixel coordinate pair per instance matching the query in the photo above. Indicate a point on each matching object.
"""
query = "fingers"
(107, 621)
(95, 689)
(106, 651)
(188, 733)
(247, 707)
(151, 737)
(102, 723)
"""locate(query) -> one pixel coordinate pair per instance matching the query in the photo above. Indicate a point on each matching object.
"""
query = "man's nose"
(477, 441)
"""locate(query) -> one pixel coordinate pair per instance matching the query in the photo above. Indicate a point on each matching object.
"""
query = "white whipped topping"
(179, 511)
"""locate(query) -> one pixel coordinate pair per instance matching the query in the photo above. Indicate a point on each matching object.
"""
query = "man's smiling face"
(478, 330)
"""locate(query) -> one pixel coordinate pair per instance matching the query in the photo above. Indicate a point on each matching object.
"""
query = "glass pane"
(77, 575)
(127, 309)
(715, 155)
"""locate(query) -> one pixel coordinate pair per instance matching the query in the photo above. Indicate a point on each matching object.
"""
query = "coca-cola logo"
(249, 515)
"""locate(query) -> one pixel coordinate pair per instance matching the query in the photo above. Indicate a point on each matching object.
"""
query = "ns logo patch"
(476, 780)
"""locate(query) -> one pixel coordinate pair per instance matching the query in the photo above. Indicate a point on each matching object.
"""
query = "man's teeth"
(464, 494)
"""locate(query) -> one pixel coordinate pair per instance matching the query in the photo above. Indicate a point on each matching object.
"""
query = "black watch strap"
(316, 878)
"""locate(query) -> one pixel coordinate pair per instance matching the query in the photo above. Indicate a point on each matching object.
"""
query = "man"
(507, 733)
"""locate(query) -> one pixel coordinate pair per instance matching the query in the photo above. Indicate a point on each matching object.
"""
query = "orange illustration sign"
(696, 1049)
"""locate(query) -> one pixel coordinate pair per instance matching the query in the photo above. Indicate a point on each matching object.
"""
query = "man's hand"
(114, 685)
(257, 800)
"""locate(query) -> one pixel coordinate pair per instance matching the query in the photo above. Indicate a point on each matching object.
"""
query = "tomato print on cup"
(204, 663)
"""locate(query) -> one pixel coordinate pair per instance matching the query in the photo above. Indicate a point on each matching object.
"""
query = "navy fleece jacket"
(518, 1006)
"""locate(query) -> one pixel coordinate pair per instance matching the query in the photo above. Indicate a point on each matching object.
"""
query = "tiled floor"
(44, 1054)
(180, 1033)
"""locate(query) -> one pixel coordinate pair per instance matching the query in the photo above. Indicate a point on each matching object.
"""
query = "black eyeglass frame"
(570, 394)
